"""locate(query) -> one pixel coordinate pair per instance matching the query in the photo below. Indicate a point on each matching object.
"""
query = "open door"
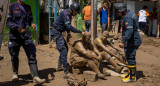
(4, 5)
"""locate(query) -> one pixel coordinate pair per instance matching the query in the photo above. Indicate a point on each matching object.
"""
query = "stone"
(90, 76)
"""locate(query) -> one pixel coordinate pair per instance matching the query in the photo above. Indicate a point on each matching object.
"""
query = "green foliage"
(79, 24)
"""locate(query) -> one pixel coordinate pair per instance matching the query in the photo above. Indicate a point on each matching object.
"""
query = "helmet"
(120, 6)
(75, 6)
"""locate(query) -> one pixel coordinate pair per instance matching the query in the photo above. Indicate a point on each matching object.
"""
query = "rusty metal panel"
(3, 14)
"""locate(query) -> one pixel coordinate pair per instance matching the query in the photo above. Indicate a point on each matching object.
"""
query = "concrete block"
(90, 76)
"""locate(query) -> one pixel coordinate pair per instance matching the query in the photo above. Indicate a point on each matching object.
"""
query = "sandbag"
(76, 80)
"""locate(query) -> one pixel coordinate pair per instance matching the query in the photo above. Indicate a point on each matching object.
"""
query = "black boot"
(34, 73)
(131, 76)
(59, 67)
(67, 71)
(15, 71)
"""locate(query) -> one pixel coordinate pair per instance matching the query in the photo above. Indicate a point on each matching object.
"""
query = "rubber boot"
(15, 72)
(131, 75)
(34, 73)
(59, 67)
(126, 74)
(66, 71)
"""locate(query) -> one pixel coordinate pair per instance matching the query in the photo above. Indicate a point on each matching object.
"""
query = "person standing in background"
(152, 15)
(87, 16)
(143, 18)
(104, 16)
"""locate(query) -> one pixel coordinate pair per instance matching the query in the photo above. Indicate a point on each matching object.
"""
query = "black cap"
(76, 7)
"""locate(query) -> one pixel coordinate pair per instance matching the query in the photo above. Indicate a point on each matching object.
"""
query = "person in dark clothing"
(62, 24)
(131, 39)
(19, 19)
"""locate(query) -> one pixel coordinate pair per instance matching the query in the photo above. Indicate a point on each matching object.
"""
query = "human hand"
(100, 9)
(33, 26)
(83, 33)
(121, 45)
(21, 30)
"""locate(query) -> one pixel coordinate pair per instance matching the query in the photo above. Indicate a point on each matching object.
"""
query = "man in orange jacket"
(87, 16)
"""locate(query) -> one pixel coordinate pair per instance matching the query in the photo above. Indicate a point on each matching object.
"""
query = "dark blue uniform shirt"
(63, 22)
(19, 16)
(130, 34)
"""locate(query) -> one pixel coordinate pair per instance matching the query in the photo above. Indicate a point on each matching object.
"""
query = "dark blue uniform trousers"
(130, 52)
(61, 46)
(29, 47)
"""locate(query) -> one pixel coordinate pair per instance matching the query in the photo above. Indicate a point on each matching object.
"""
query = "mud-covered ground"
(148, 67)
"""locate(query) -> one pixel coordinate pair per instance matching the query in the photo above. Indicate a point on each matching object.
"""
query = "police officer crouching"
(19, 19)
(131, 39)
(62, 24)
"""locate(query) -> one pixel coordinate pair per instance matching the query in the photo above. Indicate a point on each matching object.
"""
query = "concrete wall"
(138, 5)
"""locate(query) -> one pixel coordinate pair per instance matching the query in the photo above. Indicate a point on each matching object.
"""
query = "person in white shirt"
(143, 18)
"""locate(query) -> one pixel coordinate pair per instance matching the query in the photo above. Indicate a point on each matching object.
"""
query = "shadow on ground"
(140, 74)
(27, 79)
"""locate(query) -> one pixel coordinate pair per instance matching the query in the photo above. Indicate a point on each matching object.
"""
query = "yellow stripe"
(126, 79)
(99, 40)
(132, 66)
(123, 76)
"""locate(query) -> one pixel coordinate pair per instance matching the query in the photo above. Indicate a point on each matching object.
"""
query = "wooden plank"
(116, 26)
(3, 13)
(93, 19)
(158, 19)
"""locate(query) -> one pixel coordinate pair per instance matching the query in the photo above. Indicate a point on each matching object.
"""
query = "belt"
(59, 35)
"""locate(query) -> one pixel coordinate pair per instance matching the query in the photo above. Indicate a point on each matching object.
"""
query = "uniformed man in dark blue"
(131, 39)
(19, 19)
(62, 24)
